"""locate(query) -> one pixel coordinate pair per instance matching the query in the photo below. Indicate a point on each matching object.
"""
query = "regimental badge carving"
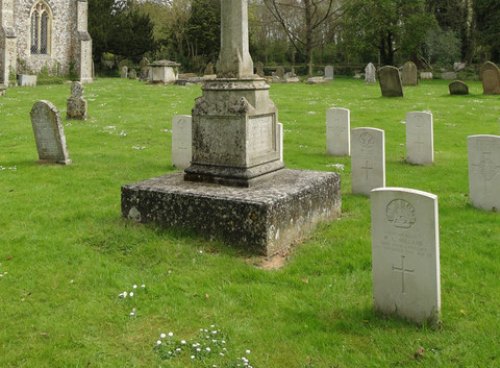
(401, 213)
(366, 140)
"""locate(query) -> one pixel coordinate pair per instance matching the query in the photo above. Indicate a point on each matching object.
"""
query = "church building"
(44, 33)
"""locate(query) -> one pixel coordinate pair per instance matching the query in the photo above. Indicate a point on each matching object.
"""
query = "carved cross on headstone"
(403, 270)
(367, 167)
(234, 58)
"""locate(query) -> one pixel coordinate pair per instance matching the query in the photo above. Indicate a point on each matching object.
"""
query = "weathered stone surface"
(449, 75)
(266, 219)
(410, 74)
(280, 72)
(3, 88)
(405, 254)
(209, 69)
(259, 69)
(484, 171)
(76, 104)
(291, 78)
(132, 74)
(163, 71)
(182, 141)
(338, 132)
(390, 82)
(490, 76)
(49, 133)
(234, 57)
(426, 75)
(124, 72)
(316, 80)
(367, 160)
(458, 88)
(420, 138)
(370, 73)
(329, 72)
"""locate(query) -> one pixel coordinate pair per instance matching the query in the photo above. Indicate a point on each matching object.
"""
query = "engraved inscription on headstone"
(49, 133)
(338, 132)
(182, 141)
(419, 138)
(405, 253)
(261, 135)
(484, 171)
(368, 160)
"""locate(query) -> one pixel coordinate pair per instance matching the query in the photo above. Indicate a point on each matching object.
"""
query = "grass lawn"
(66, 254)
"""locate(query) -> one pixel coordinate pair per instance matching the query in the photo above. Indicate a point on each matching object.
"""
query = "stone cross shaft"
(234, 58)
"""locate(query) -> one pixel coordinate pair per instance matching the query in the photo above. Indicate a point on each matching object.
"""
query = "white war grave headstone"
(338, 132)
(370, 73)
(182, 141)
(419, 138)
(484, 171)
(405, 254)
(367, 160)
(49, 133)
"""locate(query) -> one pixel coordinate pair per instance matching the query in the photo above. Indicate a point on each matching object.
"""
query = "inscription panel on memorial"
(261, 135)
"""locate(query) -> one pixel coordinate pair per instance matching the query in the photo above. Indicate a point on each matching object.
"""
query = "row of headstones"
(48, 128)
(182, 138)
(392, 82)
(368, 155)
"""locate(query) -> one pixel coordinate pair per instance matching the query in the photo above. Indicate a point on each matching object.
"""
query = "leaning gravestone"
(410, 74)
(367, 160)
(390, 82)
(484, 171)
(329, 72)
(490, 75)
(419, 138)
(370, 73)
(76, 104)
(405, 254)
(182, 141)
(338, 132)
(458, 88)
(49, 133)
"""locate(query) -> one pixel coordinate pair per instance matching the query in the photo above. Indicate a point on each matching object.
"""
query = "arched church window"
(41, 21)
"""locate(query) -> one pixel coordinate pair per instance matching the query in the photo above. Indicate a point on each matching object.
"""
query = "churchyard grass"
(66, 255)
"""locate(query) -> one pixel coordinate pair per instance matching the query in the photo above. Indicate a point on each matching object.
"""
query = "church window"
(41, 21)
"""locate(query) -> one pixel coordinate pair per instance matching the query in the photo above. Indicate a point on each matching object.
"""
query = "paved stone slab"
(338, 132)
(182, 141)
(267, 219)
(419, 138)
(405, 254)
(367, 160)
(390, 82)
(484, 171)
(49, 133)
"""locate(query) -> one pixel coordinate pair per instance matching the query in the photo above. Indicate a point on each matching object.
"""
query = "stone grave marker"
(449, 75)
(426, 75)
(419, 138)
(329, 72)
(209, 69)
(390, 82)
(338, 132)
(132, 74)
(124, 72)
(259, 69)
(490, 76)
(182, 141)
(484, 171)
(3, 88)
(49, 133)
(405, 254)
(279, 132)
(144, 67)
(370, 73)
(367, 160)
(280, 72)
(410, 74)
(458, 88)
(27, 80)
(76, 104)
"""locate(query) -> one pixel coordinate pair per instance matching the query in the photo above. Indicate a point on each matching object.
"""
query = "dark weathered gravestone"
(490, 75)
(132, 74)
(210, 69)
(280, 72)
(390, 82)
(76, 104)
(458, 88)
(259, 69)
(410, 74)
(49, 133)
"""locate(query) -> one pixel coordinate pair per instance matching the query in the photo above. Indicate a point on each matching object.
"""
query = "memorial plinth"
(236, 188)
(266, 219)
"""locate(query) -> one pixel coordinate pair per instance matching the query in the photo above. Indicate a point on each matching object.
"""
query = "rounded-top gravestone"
(458, 88)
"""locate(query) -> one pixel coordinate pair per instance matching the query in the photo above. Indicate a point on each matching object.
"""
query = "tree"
(387, 26)
(487, 15)
(302, 21)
